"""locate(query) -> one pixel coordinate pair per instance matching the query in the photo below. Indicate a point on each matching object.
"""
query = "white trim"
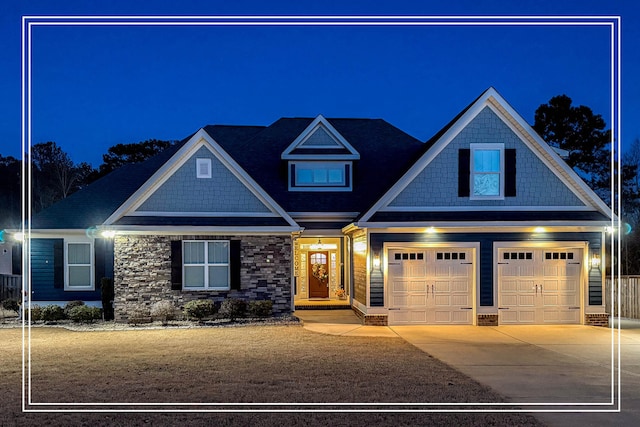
(479, 226)
(538, 146)
(485, 208)
(205, 265)
(472, 172)
(323, 215)
(81, 241)
(199, 163)
(204, 214)
(474, 246)
(344, 165)
(198, 140)
(177, 230)
(309, 130)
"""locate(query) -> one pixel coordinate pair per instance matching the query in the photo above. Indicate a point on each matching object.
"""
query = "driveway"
(551, 368)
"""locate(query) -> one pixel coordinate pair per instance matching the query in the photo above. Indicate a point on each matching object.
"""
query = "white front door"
(539, 285)
(430, 286)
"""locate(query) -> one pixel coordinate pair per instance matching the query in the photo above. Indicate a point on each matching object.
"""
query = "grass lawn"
(233, 364)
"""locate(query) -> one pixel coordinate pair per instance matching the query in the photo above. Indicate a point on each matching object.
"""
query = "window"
(314, 176)
(487, 171)
(203, 168)
(206, 264)
(79, 269)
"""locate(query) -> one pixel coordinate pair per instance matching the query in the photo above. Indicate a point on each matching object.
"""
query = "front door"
(318, 275)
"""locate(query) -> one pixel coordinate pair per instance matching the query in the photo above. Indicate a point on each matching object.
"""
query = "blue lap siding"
(486, 260)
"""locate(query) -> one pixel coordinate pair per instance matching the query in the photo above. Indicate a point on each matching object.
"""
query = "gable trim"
(198, 140)
(320, 121)
(482, 208)
(203, 214)
(490, 98)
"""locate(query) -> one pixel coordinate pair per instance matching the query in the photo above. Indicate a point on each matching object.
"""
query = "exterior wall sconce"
(108, 234)
(376, 261)
(360, 247)
(595, 260)
(539, 230)
(18, 237)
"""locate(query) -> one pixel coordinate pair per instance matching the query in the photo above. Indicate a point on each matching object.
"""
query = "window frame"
(200, 161)
(343, 185)
(91, 286)
(472, 170)
(206, 265)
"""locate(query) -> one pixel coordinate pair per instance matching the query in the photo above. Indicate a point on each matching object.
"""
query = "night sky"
(97, 86)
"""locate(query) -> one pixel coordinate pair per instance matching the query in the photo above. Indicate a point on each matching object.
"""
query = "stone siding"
(142, 273)
(599, 319)
(487, 320)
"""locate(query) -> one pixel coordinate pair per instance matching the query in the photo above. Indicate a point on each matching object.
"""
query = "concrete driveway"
(544, 368)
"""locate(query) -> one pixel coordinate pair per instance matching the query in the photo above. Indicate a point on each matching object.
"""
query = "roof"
(257, 149)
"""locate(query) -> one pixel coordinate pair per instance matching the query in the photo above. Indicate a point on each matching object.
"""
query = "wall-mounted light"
(18, 237)
(376, 261)
(539, 230)
(360, 247)
(595, 260)
(430, 230)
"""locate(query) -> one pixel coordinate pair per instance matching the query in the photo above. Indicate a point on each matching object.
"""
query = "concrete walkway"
(552, 368)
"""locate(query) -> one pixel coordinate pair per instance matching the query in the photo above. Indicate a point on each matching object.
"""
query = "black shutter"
(58, 263)
(16, 259)
(510, 172)
(464, 159)
(234, 264)
(99, 248)
(176, 265)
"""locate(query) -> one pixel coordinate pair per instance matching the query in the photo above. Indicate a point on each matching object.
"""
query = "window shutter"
(58, 263)
(234, 264)
(464, 160)
(16, 259)
(510, 172)
(176, 265)
(99, 248)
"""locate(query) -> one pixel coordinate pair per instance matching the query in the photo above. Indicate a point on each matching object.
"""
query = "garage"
(538, 286)
(430, 286)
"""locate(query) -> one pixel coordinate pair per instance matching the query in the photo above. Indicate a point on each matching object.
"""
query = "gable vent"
(203, 168)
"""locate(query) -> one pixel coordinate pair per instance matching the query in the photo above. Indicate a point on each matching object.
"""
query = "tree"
(582, 133)
(121, 154)
(10, 197)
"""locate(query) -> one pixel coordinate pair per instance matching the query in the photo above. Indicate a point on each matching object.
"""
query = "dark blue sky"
(96, 86)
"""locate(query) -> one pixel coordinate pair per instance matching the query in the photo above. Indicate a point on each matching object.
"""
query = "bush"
(260, 308)
(85, 314)
(139, 314)
(107, 294)
(233, 308)
(52, 313)
(70, 305)
(164, 311)
(36, 313)
(11, 304)
(199, 309)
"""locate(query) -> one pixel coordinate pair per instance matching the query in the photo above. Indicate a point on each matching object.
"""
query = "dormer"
(320, 159)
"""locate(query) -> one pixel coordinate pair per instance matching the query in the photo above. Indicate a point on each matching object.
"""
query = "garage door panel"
(400, 301)
(418, 270)
(399, 285)
(460, 286)
(417, 286)
(442, 271)
(417, 300)
(543, 288)
(460, 300)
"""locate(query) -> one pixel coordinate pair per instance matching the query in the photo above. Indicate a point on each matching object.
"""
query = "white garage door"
(430, 286)
(539, 286)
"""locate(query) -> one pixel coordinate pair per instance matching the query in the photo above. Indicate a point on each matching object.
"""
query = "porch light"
(595, 260)
(430, 230)
(360, 247)
(321, 246)
(376, 261)
(18, 237)
(108, 234)
(539, 230)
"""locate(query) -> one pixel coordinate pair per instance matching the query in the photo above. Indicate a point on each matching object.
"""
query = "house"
(484, 224)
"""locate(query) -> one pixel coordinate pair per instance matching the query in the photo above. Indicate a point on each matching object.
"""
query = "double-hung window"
(487, 171)
(206, 265)
(78, 269)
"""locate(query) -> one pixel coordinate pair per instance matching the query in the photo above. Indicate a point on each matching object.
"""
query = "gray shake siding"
(143, 272)
(437, 184)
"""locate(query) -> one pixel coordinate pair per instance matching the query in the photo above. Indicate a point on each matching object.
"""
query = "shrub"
(52, 313)
(107, 295)
(139, 314)
(199, 309)
(260, 308)
(85, 314)
(233, 308)
(36, 313)
(11, 304)
(164, 311)
(68, 306)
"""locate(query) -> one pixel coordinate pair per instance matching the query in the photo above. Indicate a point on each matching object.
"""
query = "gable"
(436, 186)
(220, 191)
(320, 141)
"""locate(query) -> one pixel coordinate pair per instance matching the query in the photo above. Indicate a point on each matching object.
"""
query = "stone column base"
(371, 319)
(597, 319)
(487, 320)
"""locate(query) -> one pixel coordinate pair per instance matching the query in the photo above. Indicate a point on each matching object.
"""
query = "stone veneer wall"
(360, 269)
(597, 319)
(487, 320)
(142, 272)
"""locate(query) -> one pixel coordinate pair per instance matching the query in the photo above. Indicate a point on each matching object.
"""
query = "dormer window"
(320, 176)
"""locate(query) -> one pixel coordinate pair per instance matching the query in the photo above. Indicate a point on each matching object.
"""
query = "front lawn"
(232, 364)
